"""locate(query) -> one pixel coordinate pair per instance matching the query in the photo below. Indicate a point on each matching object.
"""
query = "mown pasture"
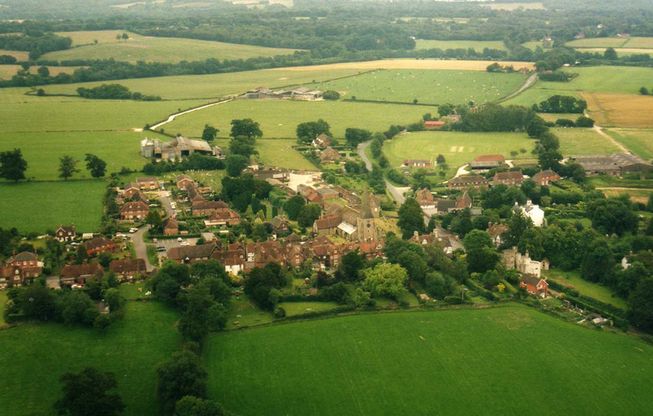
(618, 43)
(515, 6)
(594, 290)
(154, 49)
(458, 148)
(280, 153)
(577, 141)
(638, 141)
(427, 86)
(43, 150)
(443, 362)
(279, 119)
(35, 356)
(409, 63)
(41, 206)
(477, 45)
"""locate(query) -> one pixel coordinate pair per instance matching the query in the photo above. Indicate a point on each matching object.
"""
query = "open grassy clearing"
(43, 150)
(593, 290)
(639, 196)
(34, 357)
(460, 44)
(444, 362)
(412, 64)
(214, 85)
(155, 49)
(20, 55)
(616, 43)
(8, 71)
(302, 308)
(458, 148)
(576, 141)
(620, 110)
(637, 141)
(536, 95)
(427, 86)
(280, 153)
(41, 206)
(279, 119)
(620, 51)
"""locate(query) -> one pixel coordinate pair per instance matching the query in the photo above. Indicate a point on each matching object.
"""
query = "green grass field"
(279, 119)
(500, 361)
(593, 290)
(460, 44)
(3, 302)
(215, 85)
(43, 150)
(41, 206)
(638, 141)
(280, 153)
(576, 141)
(427, 86)
(34, 357)
(154, 49)
(301, 308)
(457, 148)
(616, 43)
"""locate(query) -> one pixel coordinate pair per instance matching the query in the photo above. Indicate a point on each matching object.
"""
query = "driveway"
(140, 247)
(166, 202)
(362, 147)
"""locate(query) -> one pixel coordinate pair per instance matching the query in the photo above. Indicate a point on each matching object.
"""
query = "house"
(533, 212)
(434, 238)
(487, 162)
(329, 155)
(545, 177)
(422, 164)
(327, 225)
(327, 193)
(233, 259)
(467, 181)
(464, 201)
(305, 94)
(184, 181)
(510, 178)
(615, 164)
(535, 286)
(99, 245)
(434, 124)
(280, 224)
(425, 198)
(133, 193)
(128, 268)
(147, 184)
(309, 193)
(171, 226)
(20, 269)
(136, 210)
(191, 254)
(65, 233)
(176, 149)
(224, 216)
(202, 208)
(496, 232)
(322, 141)
(79, 274)
(347, 195)
(514, 260)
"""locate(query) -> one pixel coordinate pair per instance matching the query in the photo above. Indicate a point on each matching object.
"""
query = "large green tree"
(308, 131)
(246, 128)
(640, 305)
(194, 406)
(481, 255)
(209, 133)
(182, 375)
(308, 214)
(411, 218)
(12, 165)
(386, 280)
(293, 206)
(67, 167)
(88, 393)
(96, 166)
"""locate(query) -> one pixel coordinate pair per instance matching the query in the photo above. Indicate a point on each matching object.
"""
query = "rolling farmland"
(478, 46)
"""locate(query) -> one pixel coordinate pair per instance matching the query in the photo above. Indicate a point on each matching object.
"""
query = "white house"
(532, 211)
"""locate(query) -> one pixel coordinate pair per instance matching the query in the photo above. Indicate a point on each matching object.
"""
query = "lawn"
(43, 150)
(34, 357)
(578, 141)
(301, 308)
(427, 86)
(637, 141)
(456, 362)
(458, 148)
(280, 153)
(41, 206)
(244, 313)
(477, 45)
(593, 290)
(154, 49)
(279, 119)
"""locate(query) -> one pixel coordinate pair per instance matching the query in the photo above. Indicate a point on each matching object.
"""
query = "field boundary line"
(173, 116)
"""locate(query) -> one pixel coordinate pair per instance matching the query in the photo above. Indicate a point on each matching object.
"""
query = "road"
(166, 202)
(600, 131)
(397, 192)
(172, 117)
(140, 247)
(529, 83)
(362, 147)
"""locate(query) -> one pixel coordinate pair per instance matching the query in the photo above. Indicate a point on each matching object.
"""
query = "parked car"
(133, 230)
(160, 249)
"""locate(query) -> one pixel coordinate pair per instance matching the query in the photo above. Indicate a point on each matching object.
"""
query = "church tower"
(365, 224)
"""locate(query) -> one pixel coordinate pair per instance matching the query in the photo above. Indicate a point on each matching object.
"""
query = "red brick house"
(201, 208)
(487, 162)
(535, 286)
(425, 198)
(327, 225)
(65, 233)
(171, 227)
(148, 184)
(329, 155)
(184, 181)
(322, 141)
(467, 181)
(79, 274)
(434, 124)
(510, 178)
(128, 268)
(224, 216)
(545, 177)
(20, 269)
(464, 201)
(136, 210)
(133, 194)
(100, 245)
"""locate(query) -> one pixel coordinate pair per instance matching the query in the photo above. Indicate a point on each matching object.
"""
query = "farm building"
(176, 149)
(425, 164)
(434, 124)
(487, 162)
(300, 93)
(615, 164)
(467, 181)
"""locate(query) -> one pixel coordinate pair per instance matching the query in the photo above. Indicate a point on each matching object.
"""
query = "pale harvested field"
(20, 55)
(8, 71)
(409, 64)
(639, 196)
(620, 110)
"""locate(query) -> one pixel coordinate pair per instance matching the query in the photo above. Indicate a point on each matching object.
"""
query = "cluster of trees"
(13, 165)
(498, 68)
(581, 121)
(557, 76)
(35, 42)
(308, 131)
(263, 286)
(242, 145)
(245, 191)
(561, 104)
(298, 210)
(114, 92)
(356, 136)
(644, 91)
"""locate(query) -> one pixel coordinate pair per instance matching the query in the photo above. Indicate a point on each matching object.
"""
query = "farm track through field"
(172, 117)
(529, 83)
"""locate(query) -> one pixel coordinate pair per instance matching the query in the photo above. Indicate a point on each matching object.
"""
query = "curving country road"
(529, 83)
(397, 192)
(172, 117)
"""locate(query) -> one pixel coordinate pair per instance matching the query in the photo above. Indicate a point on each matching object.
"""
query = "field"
(34, 357)
(20, 55)
(460, 44)
(281, 154)
(43, 150)
(279, 119)
(8, 71)
(155, 49)
(620, 110)
(500, 361)
(576, 141)
(301, 308)
(639, 142)
(586, 288)
(412, 64)
(457, 148)
(427, 86)
(621, 45)
(41, 206)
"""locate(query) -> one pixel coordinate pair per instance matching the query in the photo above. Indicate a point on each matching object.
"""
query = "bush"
(565, 122)
(331, 95)
(279, 312)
